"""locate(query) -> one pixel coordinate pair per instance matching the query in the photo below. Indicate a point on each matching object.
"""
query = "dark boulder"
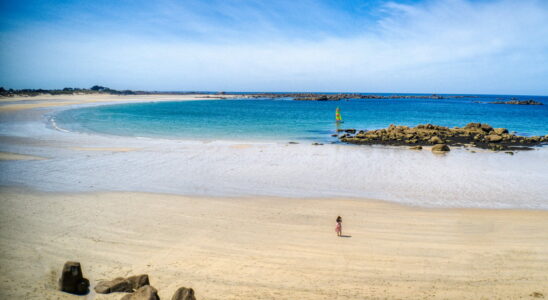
(72, 280)
(122, 285)
(184, 293)
(435, 140)
(486, 127)
(117, 285)
(440, 148)
(144, 293)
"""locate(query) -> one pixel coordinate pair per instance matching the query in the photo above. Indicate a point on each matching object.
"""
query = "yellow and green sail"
(338, 117)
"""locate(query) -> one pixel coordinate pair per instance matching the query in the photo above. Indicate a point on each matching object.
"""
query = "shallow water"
(269, 119)
(459, 178)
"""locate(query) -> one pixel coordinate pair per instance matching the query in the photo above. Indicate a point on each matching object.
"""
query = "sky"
(443, 46)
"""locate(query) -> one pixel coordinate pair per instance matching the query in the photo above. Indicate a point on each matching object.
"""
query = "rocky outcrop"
(144, 293)
(184, 293)
(342, 96)
(124, 285)
(519, 102)
(478, 135)
(72, 280)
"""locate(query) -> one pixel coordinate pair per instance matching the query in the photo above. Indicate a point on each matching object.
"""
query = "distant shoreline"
(315, 96)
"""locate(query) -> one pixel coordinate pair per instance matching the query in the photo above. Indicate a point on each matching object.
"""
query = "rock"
(500, 131)
(522, 102)
(472, 125)
(293, 143)
(144, 293)
(334, 134)
(118, 284)
(493, 138)
(495, 147)
(486, 127)
(537, 295)
(440, 148)
(124, 285)
(509, 152)
(72, 280)
(435, 140)
(184, 293)
(481, 135)
(351, 130)
(317, 144)
(416, 148)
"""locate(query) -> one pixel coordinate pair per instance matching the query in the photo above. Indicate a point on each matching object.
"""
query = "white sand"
(87, 163)
(43, 101)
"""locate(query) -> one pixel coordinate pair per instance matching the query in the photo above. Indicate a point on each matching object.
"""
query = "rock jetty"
(474, 135)
(342, 96)
(519, 102)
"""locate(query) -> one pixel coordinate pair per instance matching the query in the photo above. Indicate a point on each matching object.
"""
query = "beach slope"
(270, 248)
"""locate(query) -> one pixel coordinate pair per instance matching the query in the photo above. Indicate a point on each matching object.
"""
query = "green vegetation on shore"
(96, 89)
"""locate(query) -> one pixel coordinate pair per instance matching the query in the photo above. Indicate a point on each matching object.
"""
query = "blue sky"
(452, 46)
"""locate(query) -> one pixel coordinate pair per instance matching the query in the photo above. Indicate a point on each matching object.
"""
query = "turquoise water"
(285, 120)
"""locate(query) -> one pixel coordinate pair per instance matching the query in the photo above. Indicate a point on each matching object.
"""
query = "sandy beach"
(250, 220)
(271, 248)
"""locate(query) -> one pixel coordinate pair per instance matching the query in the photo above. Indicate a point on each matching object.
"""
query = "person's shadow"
(345, 236)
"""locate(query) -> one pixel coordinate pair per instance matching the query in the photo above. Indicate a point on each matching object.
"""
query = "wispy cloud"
(432, 46)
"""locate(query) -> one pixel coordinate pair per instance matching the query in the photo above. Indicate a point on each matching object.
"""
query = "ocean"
(288, 120)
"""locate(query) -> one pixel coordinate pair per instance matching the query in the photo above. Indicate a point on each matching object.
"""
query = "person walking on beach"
(338, 227)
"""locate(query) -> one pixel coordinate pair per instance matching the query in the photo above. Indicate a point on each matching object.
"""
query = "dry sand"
(103, 149)
(16, 156)
(270, 248)
(9, 104)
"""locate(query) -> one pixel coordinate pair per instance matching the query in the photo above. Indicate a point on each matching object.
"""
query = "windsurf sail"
(338, 117)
